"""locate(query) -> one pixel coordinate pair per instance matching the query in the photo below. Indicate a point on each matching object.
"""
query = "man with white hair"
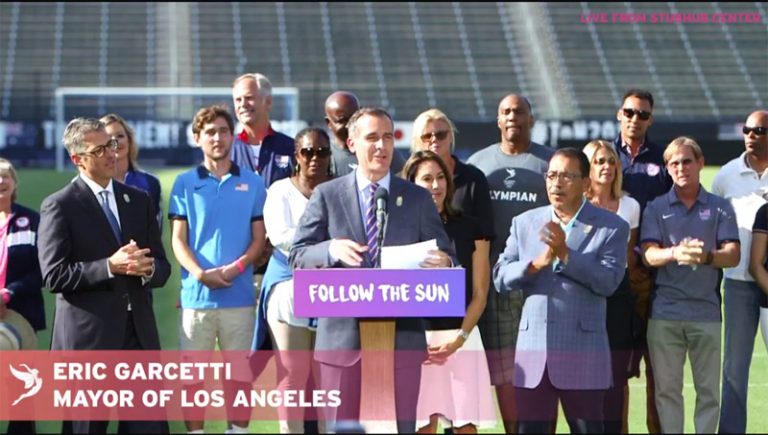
(258, 147)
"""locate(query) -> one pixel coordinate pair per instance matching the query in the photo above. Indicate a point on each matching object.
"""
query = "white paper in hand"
(406, 256)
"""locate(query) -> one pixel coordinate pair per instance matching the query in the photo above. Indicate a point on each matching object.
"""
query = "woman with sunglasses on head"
(605, 192)
(285, 203)
(434, 131)
(126, 166)
(455, 382)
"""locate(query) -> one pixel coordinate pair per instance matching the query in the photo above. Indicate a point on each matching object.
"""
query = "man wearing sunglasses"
(100, 252)
(644, 177)
(642, 163)
(744, 182)
(339, 107)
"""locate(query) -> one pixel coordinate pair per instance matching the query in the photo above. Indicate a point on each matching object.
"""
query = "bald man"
(515, 169)
(339, 107)
(744, 182)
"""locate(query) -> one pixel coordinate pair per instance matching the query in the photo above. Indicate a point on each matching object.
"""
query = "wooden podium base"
(377, 392)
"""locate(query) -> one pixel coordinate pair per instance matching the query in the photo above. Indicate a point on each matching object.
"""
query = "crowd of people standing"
(579, 264)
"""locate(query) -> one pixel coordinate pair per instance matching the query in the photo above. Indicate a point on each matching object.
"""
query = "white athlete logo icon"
(31, 379)
(510, 180)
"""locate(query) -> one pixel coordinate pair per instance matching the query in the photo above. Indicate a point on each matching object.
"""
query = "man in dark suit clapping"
(99, 249)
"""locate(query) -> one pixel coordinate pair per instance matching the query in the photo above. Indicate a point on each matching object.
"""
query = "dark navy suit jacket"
(23, 275)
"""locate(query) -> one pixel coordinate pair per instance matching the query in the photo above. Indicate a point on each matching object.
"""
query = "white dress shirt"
(96, 189)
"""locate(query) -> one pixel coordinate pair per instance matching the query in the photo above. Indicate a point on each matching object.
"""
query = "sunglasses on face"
(759, 131)
(438, 135)
(309, 153)
(100, 150)
(603, 160)
(642, 114)
(340, 121)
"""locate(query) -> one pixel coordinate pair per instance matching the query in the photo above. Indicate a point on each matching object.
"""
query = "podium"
(377, 373)
(376, 297)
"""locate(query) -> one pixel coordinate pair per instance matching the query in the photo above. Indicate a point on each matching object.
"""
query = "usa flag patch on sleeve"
(242, 187)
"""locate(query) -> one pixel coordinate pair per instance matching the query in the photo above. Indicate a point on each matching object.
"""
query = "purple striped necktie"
(371, 227)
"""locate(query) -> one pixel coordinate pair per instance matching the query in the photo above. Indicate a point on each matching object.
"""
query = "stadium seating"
(461, 57)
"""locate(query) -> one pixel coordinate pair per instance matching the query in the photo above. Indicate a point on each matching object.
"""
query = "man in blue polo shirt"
(258, 147)
(216, 211)
(689, 234)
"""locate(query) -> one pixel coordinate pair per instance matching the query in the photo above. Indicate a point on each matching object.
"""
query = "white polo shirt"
(747, 191)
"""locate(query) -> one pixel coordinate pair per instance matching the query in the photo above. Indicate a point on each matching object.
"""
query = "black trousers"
(537, 408)
(21, 427)
(130, 342)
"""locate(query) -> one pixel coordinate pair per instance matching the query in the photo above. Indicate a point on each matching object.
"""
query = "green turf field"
(35, 184)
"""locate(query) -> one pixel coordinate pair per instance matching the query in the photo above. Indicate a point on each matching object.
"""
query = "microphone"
(380, 196)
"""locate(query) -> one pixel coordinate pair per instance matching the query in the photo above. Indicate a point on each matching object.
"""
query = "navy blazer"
(562, 326)
(75, 244)
(23, 276)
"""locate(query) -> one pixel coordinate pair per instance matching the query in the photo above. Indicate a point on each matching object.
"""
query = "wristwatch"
(463, 334)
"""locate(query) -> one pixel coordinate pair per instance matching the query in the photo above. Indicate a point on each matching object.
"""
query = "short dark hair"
(210, 114)
(573, 153)
(309, 130)
(363, 111)
(638, 93)
(525, 99)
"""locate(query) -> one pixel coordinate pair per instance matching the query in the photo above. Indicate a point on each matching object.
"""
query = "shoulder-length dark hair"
(412, 166)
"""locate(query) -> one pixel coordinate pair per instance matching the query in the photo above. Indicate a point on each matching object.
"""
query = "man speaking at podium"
(339, 228)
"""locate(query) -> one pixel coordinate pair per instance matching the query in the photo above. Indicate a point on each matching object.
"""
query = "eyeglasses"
(565, 176)
(603, 160)
(99, 150)
(759, 131)
(438, 135)
(642, 114)
(309, 153)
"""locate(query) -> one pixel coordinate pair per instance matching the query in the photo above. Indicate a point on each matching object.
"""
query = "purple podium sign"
(379, 292)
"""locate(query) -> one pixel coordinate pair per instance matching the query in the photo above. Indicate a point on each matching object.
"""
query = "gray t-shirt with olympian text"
(516, 184)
